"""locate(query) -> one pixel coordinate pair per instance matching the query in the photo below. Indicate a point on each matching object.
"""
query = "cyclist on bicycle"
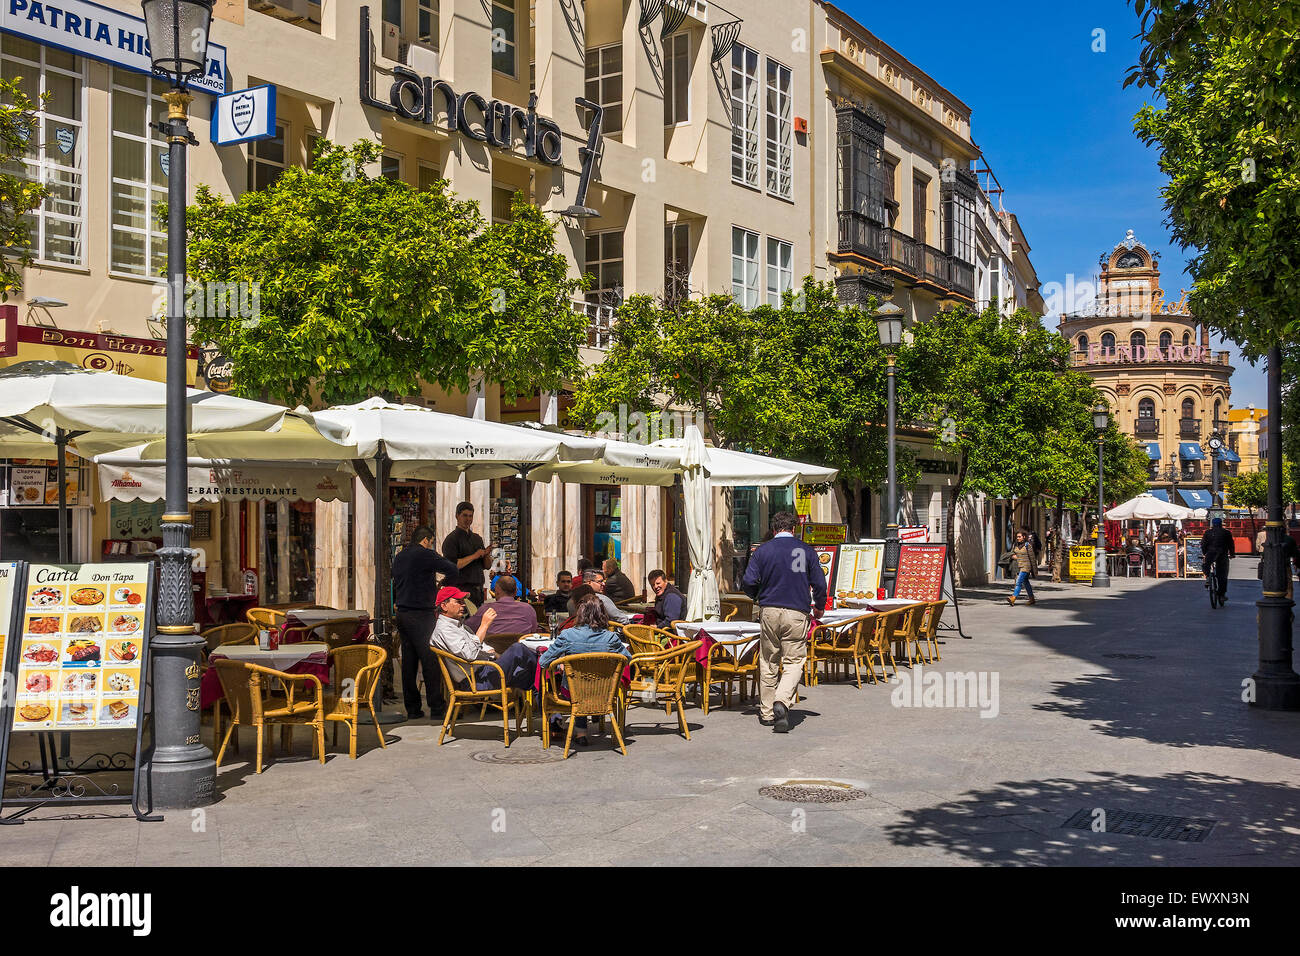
(1217, 547)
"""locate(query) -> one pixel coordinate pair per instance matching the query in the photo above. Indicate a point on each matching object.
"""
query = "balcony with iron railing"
(1189, 428)
(1146, 427)
(1096, 356)
(917, 261)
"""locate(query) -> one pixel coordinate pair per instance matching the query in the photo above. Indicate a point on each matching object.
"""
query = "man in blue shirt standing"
(785, 579)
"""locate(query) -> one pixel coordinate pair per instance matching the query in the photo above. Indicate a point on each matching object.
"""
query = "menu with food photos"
(82, 644)
(9, 575)
(860, 569)
(922, 572)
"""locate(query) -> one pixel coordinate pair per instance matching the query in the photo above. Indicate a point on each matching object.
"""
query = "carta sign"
(492, 122)
(100, 33)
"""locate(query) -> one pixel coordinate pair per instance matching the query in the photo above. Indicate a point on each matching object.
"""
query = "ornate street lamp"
(182, 771)
(1100, 423)
(1216, 509)
(889, 322)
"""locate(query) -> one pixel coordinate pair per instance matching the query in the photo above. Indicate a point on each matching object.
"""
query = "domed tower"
(1153, 363)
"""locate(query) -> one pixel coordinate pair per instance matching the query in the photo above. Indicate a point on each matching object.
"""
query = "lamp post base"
(1101, 580)
(182, 771)
(1276, 685)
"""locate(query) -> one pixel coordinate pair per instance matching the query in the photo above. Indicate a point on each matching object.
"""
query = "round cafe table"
(304, 658)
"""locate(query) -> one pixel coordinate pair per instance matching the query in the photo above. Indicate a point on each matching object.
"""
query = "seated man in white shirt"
(518, 661)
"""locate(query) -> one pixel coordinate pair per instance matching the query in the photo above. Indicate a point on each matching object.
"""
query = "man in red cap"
(518, 661)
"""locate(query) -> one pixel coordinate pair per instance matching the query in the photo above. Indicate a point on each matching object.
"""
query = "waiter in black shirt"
(469, 553)
(414, 586)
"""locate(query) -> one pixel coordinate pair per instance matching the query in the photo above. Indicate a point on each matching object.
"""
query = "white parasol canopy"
(125, 476)
(1147, 507)
(728, 469)
(423, 443)
(702, 600)
(621, 463)
(299, 437)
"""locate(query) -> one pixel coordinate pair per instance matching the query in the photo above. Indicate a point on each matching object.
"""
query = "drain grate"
(520, 756)
(1130, 657)
(812, 791)
(1155, 826)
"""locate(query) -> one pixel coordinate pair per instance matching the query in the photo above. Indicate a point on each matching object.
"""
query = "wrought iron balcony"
(1146, 427)
(917, 261)
(1189, 428)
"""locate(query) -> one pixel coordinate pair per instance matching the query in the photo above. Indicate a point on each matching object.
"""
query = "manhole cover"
(519, 756)
(1155, 826)
(812, 791)
(1130, 657)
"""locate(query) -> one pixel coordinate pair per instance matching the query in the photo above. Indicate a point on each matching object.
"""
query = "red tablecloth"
(210, 688)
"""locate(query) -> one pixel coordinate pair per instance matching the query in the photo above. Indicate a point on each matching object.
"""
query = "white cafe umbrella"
(702, 599)
(300, 437)
(1147, 507)
(621, 463)
(48, 406)
(728, 468)
(126, 476)
(423, 443)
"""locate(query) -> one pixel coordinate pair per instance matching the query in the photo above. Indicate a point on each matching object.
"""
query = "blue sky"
(1055, 125)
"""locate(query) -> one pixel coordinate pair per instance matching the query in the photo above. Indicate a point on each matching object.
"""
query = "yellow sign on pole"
(1082, 557)
(803, 502)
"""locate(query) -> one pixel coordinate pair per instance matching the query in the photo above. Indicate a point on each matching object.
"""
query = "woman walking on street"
(1022, 552)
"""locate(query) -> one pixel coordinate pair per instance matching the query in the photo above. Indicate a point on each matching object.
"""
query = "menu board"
(860, 569)
(1193, 557)
(82, 647)
(921, 571)
(27, 486)
(1167, 558)
(827, 555)
(1083, 562)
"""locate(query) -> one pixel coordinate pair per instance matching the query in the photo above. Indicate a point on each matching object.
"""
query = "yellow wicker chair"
(355, 675)
(244, 686)
(729, 610)
(838, 646)
(502, 698)
(658, 678)
(214, 637)
(593, 684)
(644, 639)
(336, 632)
(726, 664)
(930, 628)
(880, 641)
(264, 617)
(907, 632)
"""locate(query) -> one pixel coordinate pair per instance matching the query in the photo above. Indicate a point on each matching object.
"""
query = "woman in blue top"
(590, 635)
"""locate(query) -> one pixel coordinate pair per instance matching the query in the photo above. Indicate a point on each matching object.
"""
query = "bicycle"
(1212, 582)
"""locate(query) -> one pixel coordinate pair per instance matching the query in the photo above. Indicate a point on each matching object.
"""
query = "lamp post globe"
(182, 773)
(1100, 424)
(889, 323)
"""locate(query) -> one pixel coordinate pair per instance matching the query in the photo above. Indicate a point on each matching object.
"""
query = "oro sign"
(244, 115)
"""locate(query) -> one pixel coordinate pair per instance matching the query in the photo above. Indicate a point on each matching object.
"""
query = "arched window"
(1136, 339)
(1108, 341)
(1218, 407)
(1166, 340)
(1083, 341)
(1189, 408)
(1187, 339)
(1146, 408)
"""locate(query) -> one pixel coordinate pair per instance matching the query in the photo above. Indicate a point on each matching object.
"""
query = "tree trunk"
(950, 522)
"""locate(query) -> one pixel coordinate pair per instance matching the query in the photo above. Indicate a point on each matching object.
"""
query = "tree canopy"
(1249, 489)
(367, 286)
(20, 136)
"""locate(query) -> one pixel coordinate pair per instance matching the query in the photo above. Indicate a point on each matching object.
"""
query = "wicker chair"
(658, 678)
(355, 671)
(645, 639)
(907, 631)
(214, 637)
(336, 632)
(929, 629)
(728, 664)
(880, 641)
(502, 698)
(264, 617)
(593, 683)
(729, 610)
(838, 645)
(243, 685)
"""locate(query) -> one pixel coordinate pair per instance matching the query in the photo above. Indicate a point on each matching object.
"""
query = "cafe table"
(304, 658)
(307, 617)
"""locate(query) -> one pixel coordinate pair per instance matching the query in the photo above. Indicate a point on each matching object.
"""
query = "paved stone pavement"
(1125, 700)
